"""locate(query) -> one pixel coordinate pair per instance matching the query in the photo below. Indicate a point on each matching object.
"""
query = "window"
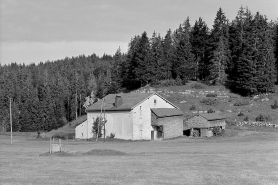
(154, 102)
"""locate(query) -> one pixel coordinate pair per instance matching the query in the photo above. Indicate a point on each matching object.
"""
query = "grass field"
(248, 157)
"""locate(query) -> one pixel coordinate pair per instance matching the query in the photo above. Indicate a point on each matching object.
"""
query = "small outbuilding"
(203, 124)
(167, 123)
(81, 130)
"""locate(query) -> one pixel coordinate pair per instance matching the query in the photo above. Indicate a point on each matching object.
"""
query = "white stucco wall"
(142, 118)
(118, 122)
(81, 131)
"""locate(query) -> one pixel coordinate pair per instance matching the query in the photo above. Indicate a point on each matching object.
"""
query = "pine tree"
(263, 45)
(168, 55)
(141, 59)
(156, 66)
(183, 66)
(117, 72)
(276, 47)
(253, 56)
(199, 42)
(220, 60)
(219, 38)
(130, 80)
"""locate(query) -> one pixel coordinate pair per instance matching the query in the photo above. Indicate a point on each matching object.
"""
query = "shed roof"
(212, 116)
(166, 112)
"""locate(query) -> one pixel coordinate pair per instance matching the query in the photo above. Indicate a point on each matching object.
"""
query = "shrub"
(97, 126)
(112, 135)
(210, 110)
(218, 131)
(246, 118)
(197, 86)
(192, 107)
(210, 101)
(64, 135)
(263, 118)
(275, 105)
(240, 114)
(241, 102)
(212, 95)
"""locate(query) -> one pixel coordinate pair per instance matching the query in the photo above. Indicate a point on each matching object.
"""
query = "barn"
(128, 116)
(167, 123)
(204, 123)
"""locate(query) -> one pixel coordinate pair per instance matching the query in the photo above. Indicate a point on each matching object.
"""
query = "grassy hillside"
(197, 97)
(67, 130)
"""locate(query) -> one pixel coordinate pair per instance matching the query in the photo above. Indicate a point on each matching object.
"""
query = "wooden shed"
(204, 123)
(166, 122)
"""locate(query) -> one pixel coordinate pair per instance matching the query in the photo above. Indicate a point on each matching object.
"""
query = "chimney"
(118, 101)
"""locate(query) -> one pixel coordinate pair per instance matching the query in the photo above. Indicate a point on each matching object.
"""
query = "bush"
(275, 105)
(263, 118)
(212, 95)
(64, 135)
(240, 114)
(211, 110)
(218, 131)
(192, 107)
(210, 101)
(197, 86)
(246, 118)
(112, 135)
(97, 126)
(241, 103)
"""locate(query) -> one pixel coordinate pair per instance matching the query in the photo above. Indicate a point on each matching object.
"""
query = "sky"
(33, 31)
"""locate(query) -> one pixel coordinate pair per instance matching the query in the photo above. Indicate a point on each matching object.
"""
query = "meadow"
(245, 157)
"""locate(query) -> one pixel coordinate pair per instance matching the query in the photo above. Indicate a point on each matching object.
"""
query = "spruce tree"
(183, 66)
(219, 48)
(168, 55)
(156, 65)
(199, 42)
(142, 61)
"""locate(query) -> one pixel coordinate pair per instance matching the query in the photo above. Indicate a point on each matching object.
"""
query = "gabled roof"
(212, 116)
(166, 112)
(80, 122)
(129, 101)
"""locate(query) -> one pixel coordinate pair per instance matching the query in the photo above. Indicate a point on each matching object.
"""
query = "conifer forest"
(241, 54)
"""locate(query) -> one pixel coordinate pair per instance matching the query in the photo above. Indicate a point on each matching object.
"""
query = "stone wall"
(172, 126)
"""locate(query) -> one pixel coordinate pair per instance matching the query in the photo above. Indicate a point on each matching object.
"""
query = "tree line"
(240, 54)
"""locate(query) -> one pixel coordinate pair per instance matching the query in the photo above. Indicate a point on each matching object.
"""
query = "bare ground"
(250, 157)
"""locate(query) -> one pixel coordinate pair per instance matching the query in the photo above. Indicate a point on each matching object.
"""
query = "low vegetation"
(210, 101)
(263, 118)
(211, 95)
(275, 105)
(241, 102)
(210, 110)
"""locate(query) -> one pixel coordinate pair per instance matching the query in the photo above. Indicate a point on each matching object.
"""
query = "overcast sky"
(32, 31)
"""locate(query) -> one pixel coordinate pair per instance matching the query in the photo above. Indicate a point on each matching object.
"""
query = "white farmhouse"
(128, 116)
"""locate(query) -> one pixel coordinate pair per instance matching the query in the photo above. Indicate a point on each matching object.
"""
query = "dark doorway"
(159, 132)
(186, 132)
(152, 135)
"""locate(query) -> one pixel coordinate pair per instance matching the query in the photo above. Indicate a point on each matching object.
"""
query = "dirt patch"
(105, 152)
